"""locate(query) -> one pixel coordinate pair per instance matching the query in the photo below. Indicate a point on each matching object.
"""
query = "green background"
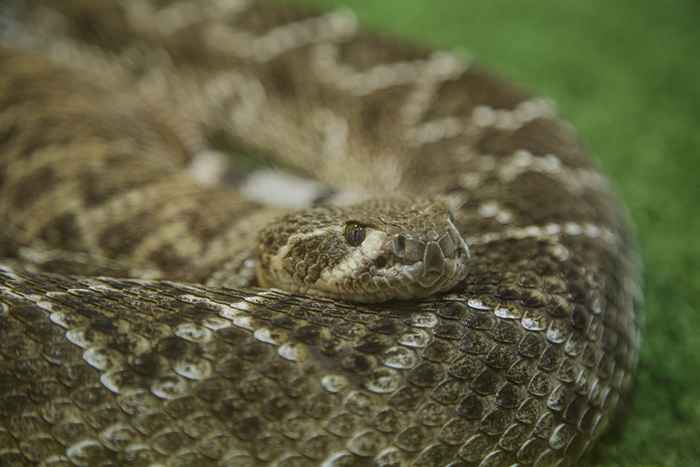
(626, 73)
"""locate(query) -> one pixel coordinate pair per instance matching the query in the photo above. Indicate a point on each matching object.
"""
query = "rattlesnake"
(138, 328)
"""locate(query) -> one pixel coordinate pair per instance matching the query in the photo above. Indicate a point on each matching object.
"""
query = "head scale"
(374, 251)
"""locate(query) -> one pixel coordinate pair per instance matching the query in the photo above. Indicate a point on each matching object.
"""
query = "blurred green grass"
(627, 74)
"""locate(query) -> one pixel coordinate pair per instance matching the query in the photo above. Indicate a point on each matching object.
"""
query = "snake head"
(374, 251)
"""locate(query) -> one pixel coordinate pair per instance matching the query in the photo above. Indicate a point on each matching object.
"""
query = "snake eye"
(355, 233)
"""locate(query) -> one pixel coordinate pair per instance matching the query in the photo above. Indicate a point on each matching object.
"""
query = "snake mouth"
(400, 282)
(417, 280)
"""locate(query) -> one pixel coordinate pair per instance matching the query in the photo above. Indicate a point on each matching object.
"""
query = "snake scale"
(137, 326)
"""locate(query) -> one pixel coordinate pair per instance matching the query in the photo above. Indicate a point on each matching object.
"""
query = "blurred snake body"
(457, 286)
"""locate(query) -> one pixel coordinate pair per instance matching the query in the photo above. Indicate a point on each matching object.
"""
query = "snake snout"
(432, 255)
(451, 245)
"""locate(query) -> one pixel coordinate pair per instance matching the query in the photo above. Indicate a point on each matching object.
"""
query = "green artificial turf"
(627, 74)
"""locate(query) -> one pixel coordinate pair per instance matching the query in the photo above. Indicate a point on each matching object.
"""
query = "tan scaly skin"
(147, 318)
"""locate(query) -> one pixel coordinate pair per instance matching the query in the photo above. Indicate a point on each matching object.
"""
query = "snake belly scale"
(150, 317)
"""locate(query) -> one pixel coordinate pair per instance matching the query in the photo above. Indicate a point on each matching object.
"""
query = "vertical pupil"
(355, 234)
(401, 243)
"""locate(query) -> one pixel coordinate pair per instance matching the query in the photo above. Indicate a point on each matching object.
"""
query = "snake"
(247, 233)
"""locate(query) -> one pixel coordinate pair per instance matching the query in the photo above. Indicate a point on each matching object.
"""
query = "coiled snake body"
(477, 305)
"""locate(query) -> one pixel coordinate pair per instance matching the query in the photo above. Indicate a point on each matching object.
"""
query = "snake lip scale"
(462, 290)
